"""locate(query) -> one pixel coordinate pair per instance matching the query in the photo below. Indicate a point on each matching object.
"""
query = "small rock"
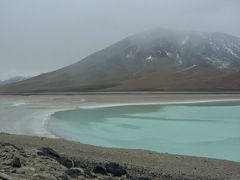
(63, 177)
(140, 178)
(6, 177)
(73, 173)
(13, 171)
(100, 170)
(7, 162)
(44, 176)
(65, 161)
(40, 167)
(16, 162)
(25, 170)
(79, 164)
(8, 144)
(88, 174)
(115, 169)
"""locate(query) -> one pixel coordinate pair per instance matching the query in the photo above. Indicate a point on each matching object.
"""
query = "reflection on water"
(209, 129)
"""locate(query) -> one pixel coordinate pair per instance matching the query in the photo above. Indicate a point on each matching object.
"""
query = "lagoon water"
(206, 129)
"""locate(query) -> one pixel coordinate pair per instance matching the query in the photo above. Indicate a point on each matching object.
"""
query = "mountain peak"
(158, 59)
(217, 49)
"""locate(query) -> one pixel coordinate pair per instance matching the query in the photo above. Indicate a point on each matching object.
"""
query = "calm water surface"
(207, 129)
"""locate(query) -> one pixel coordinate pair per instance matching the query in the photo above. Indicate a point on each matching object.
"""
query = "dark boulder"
(99, 170)
(16, 162)
(139, 178)
(88, 174)
(8, 144)
(65, 162)
(73, 173)
(115, 169)
(79, 164)
(64, 177)
(46, 151)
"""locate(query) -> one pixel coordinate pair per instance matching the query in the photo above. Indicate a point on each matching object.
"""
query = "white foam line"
(158, 103)
(45, 124)
(47, 118)
(18, 104)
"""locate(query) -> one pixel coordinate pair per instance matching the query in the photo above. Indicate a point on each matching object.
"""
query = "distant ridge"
(13, 80)
(155, 60)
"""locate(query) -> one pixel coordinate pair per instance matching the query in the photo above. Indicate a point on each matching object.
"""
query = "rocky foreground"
(27, 157)
(45, 163)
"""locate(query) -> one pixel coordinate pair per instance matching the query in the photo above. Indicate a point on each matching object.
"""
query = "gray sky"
(43, 35)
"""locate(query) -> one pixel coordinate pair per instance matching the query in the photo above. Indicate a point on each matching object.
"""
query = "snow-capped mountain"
(186, 49)
(154, 60)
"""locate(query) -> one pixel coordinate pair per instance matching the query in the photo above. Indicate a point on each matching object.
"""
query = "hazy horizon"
(42, 36)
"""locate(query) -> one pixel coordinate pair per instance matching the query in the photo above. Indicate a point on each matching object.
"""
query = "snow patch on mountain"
(188, 68)
(169, 54)
(185, 40)
(160, 52)
(231, 52)
(213, 45)
(130, 55)
(179, 59)
(149, 59)
(220, 64)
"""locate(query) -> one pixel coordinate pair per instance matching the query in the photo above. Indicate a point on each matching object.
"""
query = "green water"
(208, 130)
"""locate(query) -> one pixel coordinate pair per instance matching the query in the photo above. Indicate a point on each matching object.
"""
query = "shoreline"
(160, 103)
(37, 124)
(123, 92)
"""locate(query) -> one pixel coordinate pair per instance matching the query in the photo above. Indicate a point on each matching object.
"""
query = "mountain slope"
(13, 80)
(154, 60)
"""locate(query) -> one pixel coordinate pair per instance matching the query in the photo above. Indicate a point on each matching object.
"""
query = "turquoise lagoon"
(205, 129)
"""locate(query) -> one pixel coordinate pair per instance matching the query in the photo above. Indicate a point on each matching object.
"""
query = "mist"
(38, 36)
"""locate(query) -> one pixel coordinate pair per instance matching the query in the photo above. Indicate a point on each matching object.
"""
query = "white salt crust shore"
(159, 103)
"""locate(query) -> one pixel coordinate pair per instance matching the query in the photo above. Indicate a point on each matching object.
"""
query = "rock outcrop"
(46, 163)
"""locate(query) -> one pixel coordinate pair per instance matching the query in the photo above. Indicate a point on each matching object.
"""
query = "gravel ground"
(137, 163)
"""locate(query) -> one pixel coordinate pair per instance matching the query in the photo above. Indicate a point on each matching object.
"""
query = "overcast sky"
(38, 36)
